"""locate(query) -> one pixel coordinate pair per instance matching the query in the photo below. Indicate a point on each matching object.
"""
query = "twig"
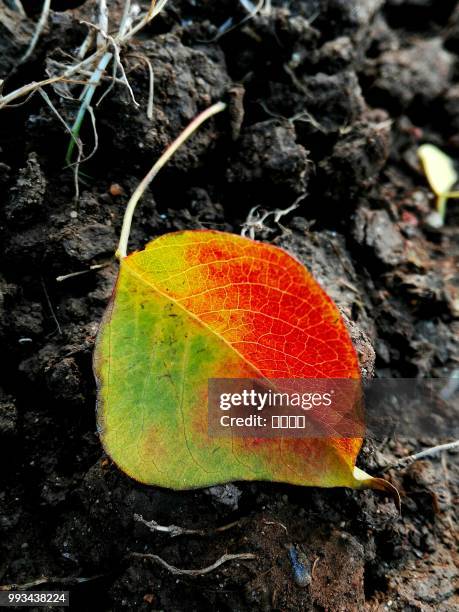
(47, 99)
(118, 62)
(114, 79)
(314, 565)
(165, 157)
(267, 8)
(59, 279)
(34, 85)
(125, 22)
(89, 73)
(103, 22)
(428, 452)
(96, 135)
(252, 10)
(75, 139)
(151, 90)
(155, 9)
(279, 524)
(17, 4)
(50, 306)
(48, 580)
(81, 159)
(151, 86)
(194, 572)
(84, 48)
(255, 221)
(38, 30)
(175, 530)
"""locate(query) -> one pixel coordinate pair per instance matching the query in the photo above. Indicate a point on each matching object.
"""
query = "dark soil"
(330, 99)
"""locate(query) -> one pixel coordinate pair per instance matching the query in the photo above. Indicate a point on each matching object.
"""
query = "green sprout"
(441, 175)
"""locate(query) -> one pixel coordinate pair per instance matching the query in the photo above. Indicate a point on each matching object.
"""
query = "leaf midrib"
(203, 324)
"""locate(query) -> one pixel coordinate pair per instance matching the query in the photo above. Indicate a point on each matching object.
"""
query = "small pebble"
(301, 567)
(434, 220)
(116, 190)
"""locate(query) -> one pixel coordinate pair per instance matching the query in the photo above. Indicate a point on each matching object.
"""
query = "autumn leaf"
(197, 305)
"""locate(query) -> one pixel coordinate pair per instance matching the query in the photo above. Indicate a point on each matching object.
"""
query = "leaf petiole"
(162, 161)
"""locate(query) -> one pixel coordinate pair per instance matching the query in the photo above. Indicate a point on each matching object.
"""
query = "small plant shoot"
(199, 305)
(441, 175)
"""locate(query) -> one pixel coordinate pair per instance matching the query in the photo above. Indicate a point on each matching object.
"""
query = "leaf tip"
(364, 480)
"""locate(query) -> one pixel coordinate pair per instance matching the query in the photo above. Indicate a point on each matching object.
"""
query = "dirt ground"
(330, 100)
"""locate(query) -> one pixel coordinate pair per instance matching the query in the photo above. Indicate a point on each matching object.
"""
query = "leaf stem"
(162, 161)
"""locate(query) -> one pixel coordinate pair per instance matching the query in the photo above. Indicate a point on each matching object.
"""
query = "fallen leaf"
(196, 305)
